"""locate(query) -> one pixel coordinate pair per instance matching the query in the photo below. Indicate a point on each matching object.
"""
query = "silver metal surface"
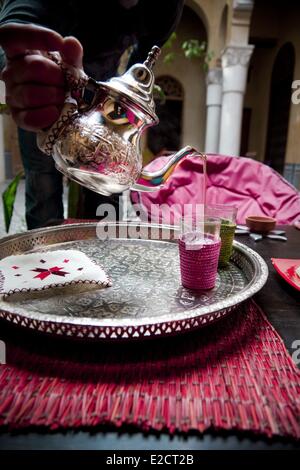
(136, 85)
(99, 146)
(146, 298)
(145, 189)
(272, 234)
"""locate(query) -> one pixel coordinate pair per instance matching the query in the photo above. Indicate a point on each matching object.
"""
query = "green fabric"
(227, 236)
(8, 198)
(73, 199)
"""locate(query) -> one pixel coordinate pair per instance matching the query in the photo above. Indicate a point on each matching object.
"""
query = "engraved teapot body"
(100, 149)
(98, 145)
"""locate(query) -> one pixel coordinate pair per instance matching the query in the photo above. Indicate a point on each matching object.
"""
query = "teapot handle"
(76, 78)
(77, 81)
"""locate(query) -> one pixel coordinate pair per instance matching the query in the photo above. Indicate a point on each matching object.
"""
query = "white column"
(213, 109)
(235, 61)
(2, 156)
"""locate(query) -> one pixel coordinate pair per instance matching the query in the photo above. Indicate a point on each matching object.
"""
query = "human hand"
(35, 85)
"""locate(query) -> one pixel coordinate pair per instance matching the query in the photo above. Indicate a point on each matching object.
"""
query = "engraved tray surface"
(146, 298)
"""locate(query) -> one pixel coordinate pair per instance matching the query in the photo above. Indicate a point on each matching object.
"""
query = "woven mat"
(235, 375)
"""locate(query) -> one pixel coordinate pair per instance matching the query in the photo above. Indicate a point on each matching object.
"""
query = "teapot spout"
(156, 179)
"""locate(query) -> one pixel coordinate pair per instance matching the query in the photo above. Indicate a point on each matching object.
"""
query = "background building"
(240, 103)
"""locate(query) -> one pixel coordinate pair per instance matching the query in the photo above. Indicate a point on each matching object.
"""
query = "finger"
(36, 119)
(35, 96)
(33, 69)
(16, 39)
(72, 52)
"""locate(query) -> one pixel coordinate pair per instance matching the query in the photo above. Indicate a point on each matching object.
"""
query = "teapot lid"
(137, 84)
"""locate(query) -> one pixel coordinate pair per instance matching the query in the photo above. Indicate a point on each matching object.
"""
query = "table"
(280, 302)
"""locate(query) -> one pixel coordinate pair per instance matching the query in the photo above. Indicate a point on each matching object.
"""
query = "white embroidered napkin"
(44, 270)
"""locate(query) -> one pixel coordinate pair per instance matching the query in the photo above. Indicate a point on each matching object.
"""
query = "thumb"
(72, 52)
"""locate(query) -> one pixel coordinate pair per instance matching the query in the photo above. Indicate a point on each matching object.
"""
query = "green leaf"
(205, 67)
(73, 199)
(159, 94)
(193, 48)
(169, 43)
(169, 57)
(4, 109)
(210, 56)
(8, 199)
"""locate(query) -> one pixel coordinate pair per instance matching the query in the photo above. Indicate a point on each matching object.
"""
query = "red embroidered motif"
(292, 271)
(47, 272)
(15, 267)
(66, 260)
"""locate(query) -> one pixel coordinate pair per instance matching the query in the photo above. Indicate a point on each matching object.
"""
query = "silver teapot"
(98, 145)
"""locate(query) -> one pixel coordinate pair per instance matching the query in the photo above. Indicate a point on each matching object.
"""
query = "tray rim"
(217, 309)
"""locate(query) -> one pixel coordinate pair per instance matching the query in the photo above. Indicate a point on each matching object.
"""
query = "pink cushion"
(251, 186)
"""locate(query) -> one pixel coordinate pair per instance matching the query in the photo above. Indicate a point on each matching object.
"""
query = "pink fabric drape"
(253, 187)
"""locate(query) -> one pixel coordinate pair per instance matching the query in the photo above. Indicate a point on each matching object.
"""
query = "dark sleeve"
(54, 14)
(25, 11)
(156, 25)
(48, 13)
(18, 11)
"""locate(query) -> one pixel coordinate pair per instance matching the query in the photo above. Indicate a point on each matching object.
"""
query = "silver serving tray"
(146, 298)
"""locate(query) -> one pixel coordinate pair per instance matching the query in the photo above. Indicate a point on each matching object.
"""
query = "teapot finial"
(136, 85)
(152, 57)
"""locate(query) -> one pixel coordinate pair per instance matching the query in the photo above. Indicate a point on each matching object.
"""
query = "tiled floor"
(18, 223)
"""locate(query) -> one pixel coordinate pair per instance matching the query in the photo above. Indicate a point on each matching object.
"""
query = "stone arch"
(279, 106)
(191, 75)
(171, 86)
(168, 135)
(223, 28)
(194, 5)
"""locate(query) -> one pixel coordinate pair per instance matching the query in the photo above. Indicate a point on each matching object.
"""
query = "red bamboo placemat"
(233, 375)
